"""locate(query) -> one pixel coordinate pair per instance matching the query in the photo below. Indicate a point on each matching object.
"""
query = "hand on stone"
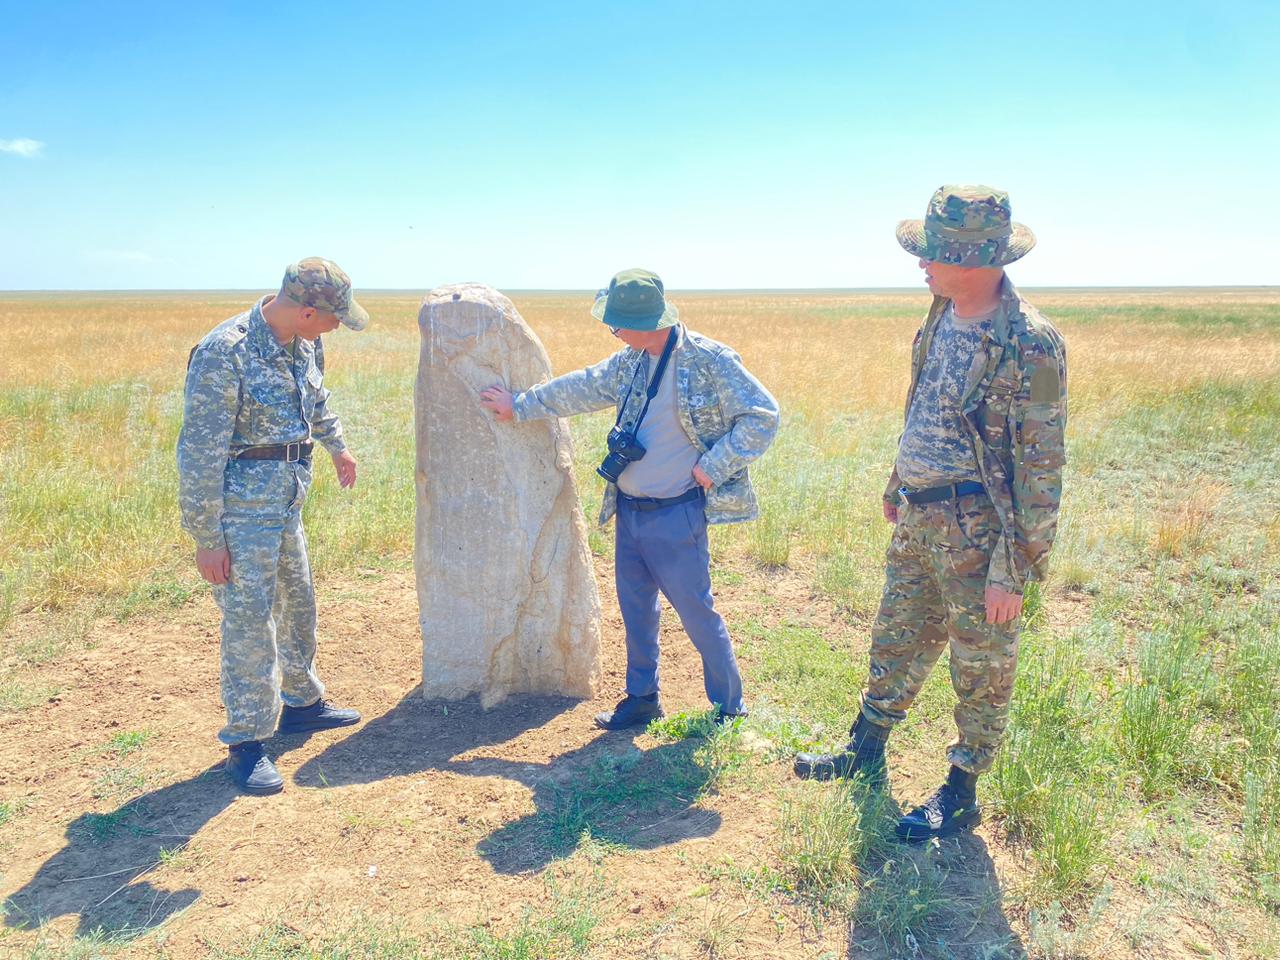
(345, 464)
(499, 400)
(700, 476)
(214, 565)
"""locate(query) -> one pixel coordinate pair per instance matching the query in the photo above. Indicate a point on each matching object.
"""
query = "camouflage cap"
(636, 300)
(316, 282)
(968, 226)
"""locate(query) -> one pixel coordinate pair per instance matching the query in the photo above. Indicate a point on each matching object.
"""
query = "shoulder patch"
(1045, 387)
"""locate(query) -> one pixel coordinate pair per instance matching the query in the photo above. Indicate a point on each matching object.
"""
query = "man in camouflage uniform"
(255, 404)
(700, 418)
(973, 495)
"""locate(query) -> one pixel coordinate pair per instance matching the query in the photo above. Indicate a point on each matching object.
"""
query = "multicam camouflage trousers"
(268, 624)
(934, 592)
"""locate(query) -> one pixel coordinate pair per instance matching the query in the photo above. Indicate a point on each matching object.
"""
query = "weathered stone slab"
(506, 591)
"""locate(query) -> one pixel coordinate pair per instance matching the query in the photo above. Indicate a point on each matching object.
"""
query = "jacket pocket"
(1038, 435)
(707, 419)
(312, 393)
(275, 405)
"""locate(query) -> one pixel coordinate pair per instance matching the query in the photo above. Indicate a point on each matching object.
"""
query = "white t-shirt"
(666, 469)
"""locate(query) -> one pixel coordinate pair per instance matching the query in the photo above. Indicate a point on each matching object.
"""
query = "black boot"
(723, 719)
(631, 712)
(252, 770)
(864, 752)
(953, 808)
(321, 715)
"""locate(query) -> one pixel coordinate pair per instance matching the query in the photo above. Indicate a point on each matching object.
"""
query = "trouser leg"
(675, 546)
(249, 691)
(909, 633)
(295, 618)
(984, 656)
(638, 601)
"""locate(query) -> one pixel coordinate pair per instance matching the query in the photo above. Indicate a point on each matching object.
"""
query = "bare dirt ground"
(429, 814)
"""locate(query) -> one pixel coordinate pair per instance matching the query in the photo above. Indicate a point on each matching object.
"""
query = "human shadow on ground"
(104, 873)
(417, 735)
(608, 788)
(939, 899)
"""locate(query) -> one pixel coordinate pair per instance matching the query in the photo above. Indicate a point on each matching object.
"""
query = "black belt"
(290, 452)
(934, 494)
(657, 503)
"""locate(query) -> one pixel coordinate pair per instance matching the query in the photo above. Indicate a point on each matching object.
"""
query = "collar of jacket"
(261, 339)
(647, 359)
(1009, 321)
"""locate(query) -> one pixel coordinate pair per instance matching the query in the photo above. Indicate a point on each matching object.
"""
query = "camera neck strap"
(654, 382)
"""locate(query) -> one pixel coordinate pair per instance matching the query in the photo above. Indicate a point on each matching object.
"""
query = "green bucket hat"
(968, 226)
(320, 283)
(635, 300)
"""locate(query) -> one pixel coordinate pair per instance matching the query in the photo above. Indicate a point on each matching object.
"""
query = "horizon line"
(380, 291)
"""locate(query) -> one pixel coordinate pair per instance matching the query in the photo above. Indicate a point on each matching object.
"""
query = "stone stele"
(506, 591)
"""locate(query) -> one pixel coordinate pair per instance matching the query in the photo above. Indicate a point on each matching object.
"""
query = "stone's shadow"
(955, 883)
(608, 788)
(642, 799)
(103, 873)
(417, 735)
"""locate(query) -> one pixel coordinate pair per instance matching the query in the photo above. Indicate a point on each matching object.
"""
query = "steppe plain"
(1135, 810)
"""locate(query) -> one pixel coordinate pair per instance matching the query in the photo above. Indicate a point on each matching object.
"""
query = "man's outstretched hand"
(499, 400)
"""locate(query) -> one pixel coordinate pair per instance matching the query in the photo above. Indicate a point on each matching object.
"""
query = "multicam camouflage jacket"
(1016, 415)
(727, 414)
(246, 389)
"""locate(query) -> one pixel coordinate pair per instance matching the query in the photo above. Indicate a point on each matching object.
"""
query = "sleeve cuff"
(207, 542)
(519, 402)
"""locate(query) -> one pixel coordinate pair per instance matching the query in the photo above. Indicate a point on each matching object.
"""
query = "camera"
(623, 449)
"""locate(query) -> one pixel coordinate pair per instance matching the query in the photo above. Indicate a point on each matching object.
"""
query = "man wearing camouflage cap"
(255, 405)
(693, 418)
(973, 495)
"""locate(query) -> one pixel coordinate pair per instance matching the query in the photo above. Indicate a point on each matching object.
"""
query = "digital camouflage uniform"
(730, 418)
(944, 555)
(726, 412)
(245, 389)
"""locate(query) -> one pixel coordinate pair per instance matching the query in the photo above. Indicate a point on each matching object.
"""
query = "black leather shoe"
(630, 712)
(863, 753)
(253, 771)
(321, 715)
(952, 808)
(724, 718)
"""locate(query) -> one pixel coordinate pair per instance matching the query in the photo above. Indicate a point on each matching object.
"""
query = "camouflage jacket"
(1016, 416)
(245, 389)
(725, 411)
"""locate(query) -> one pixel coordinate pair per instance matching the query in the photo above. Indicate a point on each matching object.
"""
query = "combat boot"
(863, 753)
(952, 808)
(631, 711)
(252, 770)
(321, 715)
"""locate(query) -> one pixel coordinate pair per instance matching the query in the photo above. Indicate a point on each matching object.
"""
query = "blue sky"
(145, 145)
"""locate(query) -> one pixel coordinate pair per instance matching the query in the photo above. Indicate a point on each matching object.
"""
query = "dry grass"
(1169, 546)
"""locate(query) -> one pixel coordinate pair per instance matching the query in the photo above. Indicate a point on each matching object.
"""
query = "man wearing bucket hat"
(974, 497)
(690, 418)
(255, 405)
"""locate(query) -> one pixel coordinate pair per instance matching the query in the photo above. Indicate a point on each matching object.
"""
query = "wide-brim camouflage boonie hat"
(967, 226)
(322, 284)
(635, 299)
